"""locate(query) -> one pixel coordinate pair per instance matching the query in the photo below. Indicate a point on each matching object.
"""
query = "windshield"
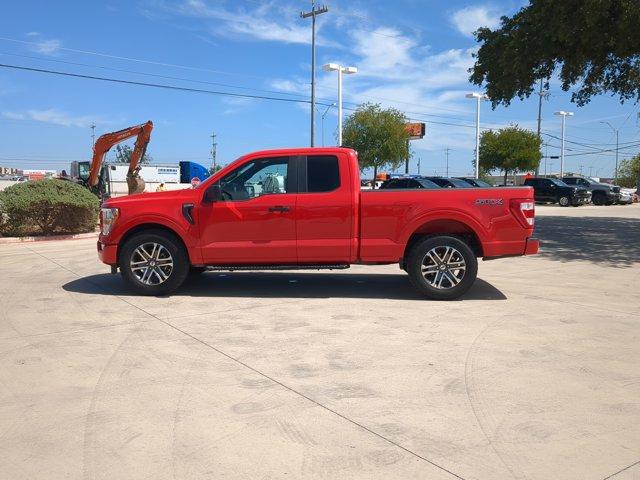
(481, 183)
(427, 183)
(459, 183)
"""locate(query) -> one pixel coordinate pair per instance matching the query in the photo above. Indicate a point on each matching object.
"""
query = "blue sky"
(411, 54)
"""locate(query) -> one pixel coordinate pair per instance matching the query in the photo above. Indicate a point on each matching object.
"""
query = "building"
(10, 171)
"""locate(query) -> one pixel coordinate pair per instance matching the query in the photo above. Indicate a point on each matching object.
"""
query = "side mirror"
(212, 194)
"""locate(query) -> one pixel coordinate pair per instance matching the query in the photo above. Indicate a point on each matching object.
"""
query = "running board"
(231, 268)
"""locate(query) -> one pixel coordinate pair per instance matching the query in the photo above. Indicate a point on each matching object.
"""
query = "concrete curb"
(78, 236)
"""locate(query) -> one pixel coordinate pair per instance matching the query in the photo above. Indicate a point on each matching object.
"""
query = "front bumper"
(108, 253)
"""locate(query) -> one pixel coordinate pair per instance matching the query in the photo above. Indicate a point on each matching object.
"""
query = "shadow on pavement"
(284, 285)
(606, 241)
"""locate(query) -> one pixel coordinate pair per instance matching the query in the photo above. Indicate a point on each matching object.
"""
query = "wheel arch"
(151, 226)
(451, 227)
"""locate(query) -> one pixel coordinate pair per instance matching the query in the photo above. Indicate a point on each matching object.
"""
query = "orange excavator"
(135, 183)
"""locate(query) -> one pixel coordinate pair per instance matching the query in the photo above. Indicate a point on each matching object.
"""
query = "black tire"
(171, 249)
(564, 201)
(599, 198)
(419, 257)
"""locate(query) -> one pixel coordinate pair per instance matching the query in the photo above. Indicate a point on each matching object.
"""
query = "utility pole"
(446, 151)
(214, 148)
(93, 134)
(617, 132)
(313, 14)
(581, 166)
(542, 95)
(419, 159)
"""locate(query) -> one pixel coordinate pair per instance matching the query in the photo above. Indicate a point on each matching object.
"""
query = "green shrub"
(45, 207)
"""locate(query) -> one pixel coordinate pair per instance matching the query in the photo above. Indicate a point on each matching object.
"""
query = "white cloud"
(467, 20)
(269, 21)
(52, 116)
(41, 45)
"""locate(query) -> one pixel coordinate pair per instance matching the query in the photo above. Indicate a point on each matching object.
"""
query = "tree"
(594, 45)
(378, 135)
(511, 149)
(123, 155)
(629, 172)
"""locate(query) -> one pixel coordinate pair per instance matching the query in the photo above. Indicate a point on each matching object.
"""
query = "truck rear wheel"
(153, 263)
(442, 267)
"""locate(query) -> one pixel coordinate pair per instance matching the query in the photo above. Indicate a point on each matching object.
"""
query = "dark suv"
(409, 182)
(601, 193)
(554, 190)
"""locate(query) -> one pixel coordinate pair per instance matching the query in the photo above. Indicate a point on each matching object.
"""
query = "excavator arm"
(108, 140)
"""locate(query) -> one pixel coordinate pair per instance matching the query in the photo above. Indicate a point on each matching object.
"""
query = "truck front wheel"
(153, 262)
(442, 267)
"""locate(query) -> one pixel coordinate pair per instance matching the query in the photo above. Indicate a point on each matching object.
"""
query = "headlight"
(108, 217)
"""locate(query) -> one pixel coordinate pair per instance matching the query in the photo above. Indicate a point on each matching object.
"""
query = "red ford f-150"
(303, 209)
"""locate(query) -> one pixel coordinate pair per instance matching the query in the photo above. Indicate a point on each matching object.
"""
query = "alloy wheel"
(151, 263)
(443, 267)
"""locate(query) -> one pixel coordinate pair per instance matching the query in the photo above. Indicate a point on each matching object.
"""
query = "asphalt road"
(535, 374)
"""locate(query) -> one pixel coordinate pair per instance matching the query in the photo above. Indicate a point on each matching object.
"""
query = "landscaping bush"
(46, 207)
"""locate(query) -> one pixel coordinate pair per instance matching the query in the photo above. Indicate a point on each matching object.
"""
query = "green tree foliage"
(511, 149)
(378, 135)
(594, 46)
(123, 155)
(629, 172)
(46, 207)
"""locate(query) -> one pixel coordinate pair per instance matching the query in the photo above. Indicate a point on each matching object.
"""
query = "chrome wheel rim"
(151, 263)
(564, 201)
(443, 267)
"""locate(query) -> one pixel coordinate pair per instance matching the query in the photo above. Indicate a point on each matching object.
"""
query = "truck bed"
(389, 218)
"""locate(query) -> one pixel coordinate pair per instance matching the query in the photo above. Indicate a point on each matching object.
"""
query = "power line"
(154, 85)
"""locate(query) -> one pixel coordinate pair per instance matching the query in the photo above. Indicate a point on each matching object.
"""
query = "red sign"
(415, 130)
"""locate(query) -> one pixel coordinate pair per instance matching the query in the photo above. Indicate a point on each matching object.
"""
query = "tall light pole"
(564, 116)
(324, 115)
(446, 152)
(313, 14)
(93, 134)
(617, 132)
(478, 97)
(331, 67)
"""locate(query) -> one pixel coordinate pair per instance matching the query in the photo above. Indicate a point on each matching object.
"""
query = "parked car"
(446, 182)
(409, 183)
(316, 218)
(475, 182)
(625, 198)
(556, 191)
(601, 193)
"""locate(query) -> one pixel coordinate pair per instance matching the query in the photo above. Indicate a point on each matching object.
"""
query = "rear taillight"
(524, 210)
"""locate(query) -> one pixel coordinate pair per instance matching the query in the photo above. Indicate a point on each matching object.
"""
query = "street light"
(478, 97)
(617, 132)
(324, 115)
(331, 67)
(564, 116)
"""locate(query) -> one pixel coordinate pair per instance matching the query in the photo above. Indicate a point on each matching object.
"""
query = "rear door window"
(323, 173)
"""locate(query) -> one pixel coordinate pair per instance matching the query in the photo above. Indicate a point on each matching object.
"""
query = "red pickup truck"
(303, 209)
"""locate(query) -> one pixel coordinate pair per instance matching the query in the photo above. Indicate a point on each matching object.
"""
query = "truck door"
(254, 222)
(324, 211)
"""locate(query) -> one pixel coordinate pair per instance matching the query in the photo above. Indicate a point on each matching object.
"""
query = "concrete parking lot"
(535, 374)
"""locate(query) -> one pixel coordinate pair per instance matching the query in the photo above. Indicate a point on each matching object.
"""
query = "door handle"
(279, 208)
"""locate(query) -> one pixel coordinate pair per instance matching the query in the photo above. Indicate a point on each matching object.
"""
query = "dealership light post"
(478, 97)
(617, 132)
(330, 67)
(564, 116)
